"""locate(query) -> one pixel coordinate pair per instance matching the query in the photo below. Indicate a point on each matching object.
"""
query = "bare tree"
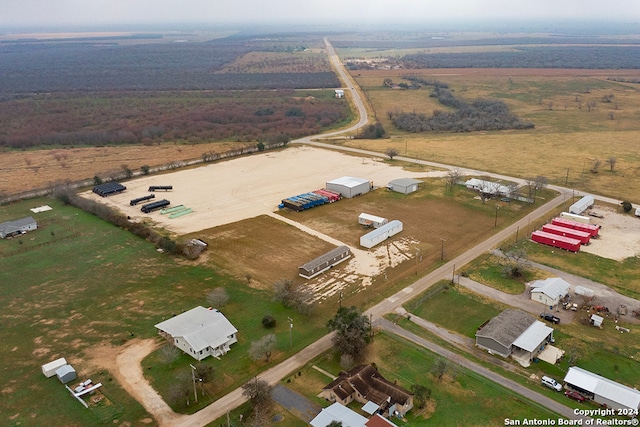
(514, 190)
(517, 261)
(453, 176)
(169, 353)
(541, 183)
(531, 188)
(611, 115)
(596, 166)
(259, 394)
(217, 297)
(439, 368)
(591, 105)
(263, 348)
(291, 296)
(612, 163)
(391, 152)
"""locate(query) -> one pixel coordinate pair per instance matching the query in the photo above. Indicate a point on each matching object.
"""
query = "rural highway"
(219, 408)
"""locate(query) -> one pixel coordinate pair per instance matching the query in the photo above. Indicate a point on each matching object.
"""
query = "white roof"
(488, 187)
(581, 205)
(383, 229)
(337, 412)
(581, 290)
(553, 287)
(348, 181)
(611, 390)
(200, 328)
(370, 407)
(372, 217)
(533, 336)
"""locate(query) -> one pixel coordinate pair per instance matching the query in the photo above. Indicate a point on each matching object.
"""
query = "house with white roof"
(550, 291)
(487, 187)
(602, 390)
(200, 332)
(340, 413)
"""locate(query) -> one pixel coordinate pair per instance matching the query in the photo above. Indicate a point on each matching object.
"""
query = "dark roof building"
(19, 226)
(324, 262)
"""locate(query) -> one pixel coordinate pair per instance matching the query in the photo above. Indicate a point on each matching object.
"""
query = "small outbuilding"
(66, 374)
(349, 186)
(324, 262)
(381, 234)
(19, 226)
(404, 185)
(596, 320)
(340, 414)
(339, 93)
(549, 291)
(49, 369)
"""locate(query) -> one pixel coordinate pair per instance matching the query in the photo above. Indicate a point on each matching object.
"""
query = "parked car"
(550, 317)
(551, 383)
(574, 395)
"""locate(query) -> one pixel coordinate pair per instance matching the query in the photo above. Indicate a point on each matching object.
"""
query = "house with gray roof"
(200, 332)
(324, 262)
(549, 291)
(514, 333)
(18, 226)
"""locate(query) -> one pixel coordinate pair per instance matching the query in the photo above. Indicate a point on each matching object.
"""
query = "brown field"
(567, 138)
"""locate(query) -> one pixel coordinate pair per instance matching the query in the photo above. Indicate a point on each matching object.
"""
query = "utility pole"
(340, 299)
(290, 333)
(442, 249)
(193, 376)
(495, 224)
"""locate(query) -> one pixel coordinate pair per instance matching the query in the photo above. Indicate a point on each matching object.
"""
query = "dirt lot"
(619, 237)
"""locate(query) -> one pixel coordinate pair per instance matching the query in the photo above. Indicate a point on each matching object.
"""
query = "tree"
(217, 297)
(268, 321)
(612, 163)
(351, 331)
(259, 394)
(291, 296)
(420, 395)
(169, 353)
(596, 166)
(97, 180)
(335, 423)
(453, 176)
(263, 348)
(541, 183)
(517, 262)
(439, 368)
(144, 169)
(391, 152)
(626, 206)
(128, 173)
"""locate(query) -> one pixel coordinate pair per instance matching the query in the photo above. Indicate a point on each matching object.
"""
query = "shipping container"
(583, 236)
(576, 218)
(592, 229)
(556, 241)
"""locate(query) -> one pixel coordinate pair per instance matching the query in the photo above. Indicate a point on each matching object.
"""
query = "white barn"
(381, 234)
(200, 332)
(602, 390)
(549, 291)
(349, 186)
(404, 185)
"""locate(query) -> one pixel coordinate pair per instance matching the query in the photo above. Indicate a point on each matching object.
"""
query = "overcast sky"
(89, 12)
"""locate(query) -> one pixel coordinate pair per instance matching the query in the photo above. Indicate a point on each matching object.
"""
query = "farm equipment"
(600, 309)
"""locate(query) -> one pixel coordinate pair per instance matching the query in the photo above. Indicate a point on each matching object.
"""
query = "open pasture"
(569, 137)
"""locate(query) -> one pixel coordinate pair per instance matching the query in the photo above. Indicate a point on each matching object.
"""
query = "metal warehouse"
(350, 186)
(404, 185)
(381, 234)
(324, 262)
(602, 390)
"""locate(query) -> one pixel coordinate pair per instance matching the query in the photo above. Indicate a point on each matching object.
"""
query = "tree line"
(481, 114)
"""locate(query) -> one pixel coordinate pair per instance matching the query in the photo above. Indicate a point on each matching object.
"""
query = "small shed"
(597, 320)
(581, 205)
(381, 234)
(66, 374)
(350, 186)
(339, 93)
(371, 220)
(404, 185)
(549, 291)
(49, 369)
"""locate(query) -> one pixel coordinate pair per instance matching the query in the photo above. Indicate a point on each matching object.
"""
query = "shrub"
(268, 321)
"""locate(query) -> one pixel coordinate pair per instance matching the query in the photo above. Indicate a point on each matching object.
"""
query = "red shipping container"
(589, 228)
(556, 241)
(583, 236)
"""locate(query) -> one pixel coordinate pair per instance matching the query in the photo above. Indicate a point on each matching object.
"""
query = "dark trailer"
(142, 199)
(150, 207)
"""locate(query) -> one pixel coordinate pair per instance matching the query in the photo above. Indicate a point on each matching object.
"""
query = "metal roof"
(338, 412)
(506, 327)
(553, 287)
(383, 229)
(405, 182)
(200, 328)
(533, 336)
(611, 390)
(348, 181)
(322, 259)
(16, 225)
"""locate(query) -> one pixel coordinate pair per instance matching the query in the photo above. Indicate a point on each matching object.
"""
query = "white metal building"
(404, 185)
(349, 186)
(381, 234)
(371, 220)
(200, 332)
(549, 291)
(340, 413)
(602, 390)
(582, 205)
(49, 369)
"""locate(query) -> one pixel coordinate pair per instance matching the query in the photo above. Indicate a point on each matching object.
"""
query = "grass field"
(565, 143)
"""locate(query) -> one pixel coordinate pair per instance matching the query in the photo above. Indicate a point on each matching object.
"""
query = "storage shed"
(19, 226)
(381, 234)
(324, 262)
(581, 205)
(372, 220)
(602, 390)
(49, 369)
(350, 186)
(404, 185)
(66, 374)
